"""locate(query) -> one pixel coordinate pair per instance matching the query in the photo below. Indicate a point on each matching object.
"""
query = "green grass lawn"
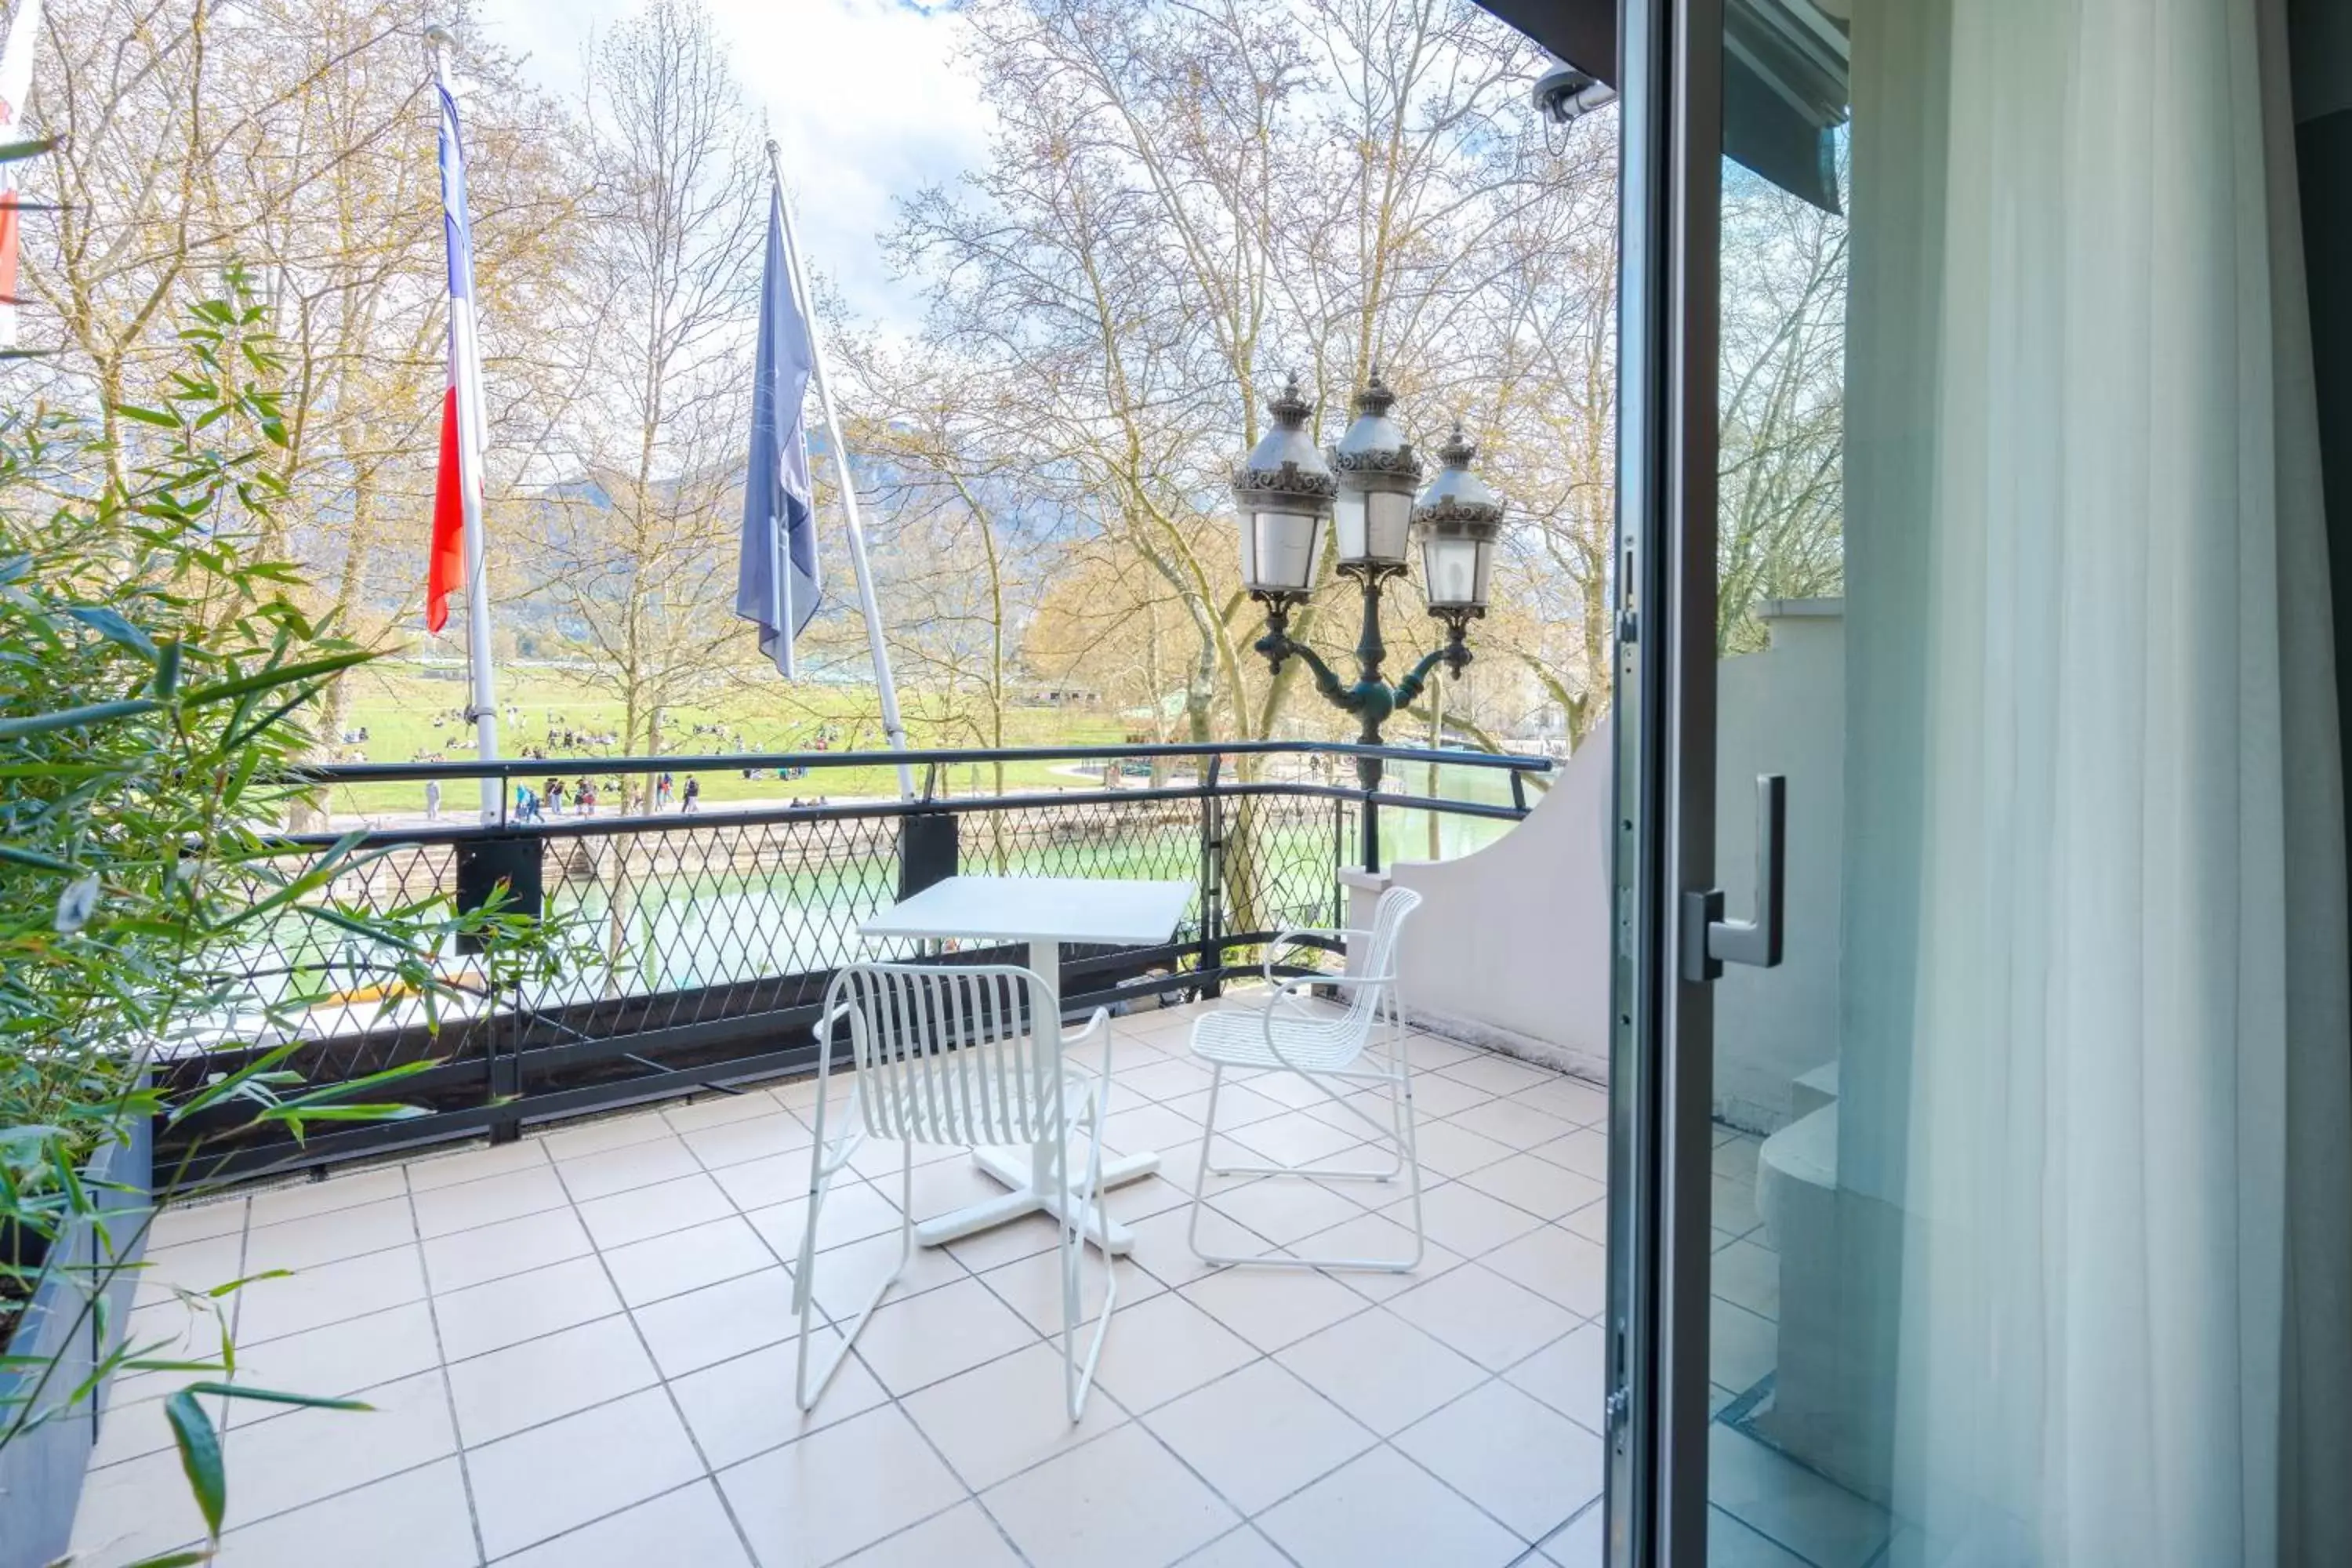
(399, 703)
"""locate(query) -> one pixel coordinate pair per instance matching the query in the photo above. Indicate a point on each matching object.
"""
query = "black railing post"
(927, 850)
(512, 861)
(1213, 884)
(1371, 826)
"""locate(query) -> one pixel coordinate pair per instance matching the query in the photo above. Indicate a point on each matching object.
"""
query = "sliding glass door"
(1964, 811)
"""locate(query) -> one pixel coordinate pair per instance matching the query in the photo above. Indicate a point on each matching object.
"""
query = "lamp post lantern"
(1283, 491)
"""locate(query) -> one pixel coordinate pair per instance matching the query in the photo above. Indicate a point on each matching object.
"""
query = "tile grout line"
(1370, 1304)
(448, 1388)
(897, 1401)
(709, 1474)
(1139, 1418)
(1169, 1285)
(788, 1270)
(457, 1451)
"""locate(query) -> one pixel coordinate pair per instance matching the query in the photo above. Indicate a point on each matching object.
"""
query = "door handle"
(1708, 940)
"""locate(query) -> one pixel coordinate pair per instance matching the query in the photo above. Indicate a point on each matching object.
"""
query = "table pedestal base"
(1032, 1193)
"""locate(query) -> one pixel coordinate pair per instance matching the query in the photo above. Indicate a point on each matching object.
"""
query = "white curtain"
(2095, 1211)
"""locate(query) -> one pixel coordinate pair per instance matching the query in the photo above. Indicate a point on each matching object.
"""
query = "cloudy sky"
(863, 96)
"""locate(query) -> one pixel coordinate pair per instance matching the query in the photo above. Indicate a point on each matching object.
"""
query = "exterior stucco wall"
(1510, 947)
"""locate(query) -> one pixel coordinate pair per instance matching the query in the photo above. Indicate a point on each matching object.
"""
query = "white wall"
(1511, 947)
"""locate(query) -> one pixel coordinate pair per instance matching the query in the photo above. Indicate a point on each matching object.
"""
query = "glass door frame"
(1670, 55)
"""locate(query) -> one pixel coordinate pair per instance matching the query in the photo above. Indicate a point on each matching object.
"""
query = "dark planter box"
(41, 1472)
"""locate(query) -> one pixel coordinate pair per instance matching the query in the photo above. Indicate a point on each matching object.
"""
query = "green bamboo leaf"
(269, 720)
(353, 924)
(276, 1396)
(115, 627)
(200, 1457)
(327, 1093)
(276, 676)
(231, 1084)
(218, 1292)
(195, 1557)
(75, 717)
(293, 1116)
(147, 415)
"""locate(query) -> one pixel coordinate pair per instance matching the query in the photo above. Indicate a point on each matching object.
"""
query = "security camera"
(1563, 95)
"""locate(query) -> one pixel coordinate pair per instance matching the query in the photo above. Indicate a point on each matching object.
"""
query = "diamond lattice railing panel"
(703, 918)
(682, 913)
(1281, 863)
(294, 974)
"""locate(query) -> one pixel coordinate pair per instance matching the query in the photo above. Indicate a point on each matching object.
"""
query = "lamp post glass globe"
(1283, 493)
(1280, 550)
(1459, 519)
(1455, 569)
(1377, 471)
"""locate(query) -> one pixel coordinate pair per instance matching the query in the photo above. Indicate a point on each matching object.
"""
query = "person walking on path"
(693, 796)
(432, 800)
(662, 792)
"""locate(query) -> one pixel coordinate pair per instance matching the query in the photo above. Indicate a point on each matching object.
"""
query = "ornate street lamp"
(1283, 490)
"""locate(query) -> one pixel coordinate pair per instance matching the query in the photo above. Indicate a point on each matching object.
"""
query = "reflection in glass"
(2012, 460)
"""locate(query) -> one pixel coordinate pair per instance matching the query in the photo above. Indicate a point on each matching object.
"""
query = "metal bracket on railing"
(930, 782)
(1212, 875)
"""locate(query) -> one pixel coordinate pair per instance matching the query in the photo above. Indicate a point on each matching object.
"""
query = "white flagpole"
(874, 645)
(466, 352)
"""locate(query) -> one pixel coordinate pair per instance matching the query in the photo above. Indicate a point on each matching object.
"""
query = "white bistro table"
(1044, 913)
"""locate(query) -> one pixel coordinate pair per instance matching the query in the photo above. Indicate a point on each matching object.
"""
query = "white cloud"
(864, 96)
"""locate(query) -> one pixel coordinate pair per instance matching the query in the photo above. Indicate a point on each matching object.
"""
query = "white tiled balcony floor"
(579, 1350)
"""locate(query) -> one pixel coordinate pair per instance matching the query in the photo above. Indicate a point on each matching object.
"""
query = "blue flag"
(776, 585)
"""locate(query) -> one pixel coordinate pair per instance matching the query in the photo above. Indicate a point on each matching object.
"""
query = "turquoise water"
(1408, 835)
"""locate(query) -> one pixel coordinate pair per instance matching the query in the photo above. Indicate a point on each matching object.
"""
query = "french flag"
(458, 489)
(15, 87)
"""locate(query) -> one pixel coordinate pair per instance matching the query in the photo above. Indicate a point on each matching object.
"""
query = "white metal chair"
(1323, 1049)
(969, 1056)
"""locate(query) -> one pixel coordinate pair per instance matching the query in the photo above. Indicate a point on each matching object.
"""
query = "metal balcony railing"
(700, 943)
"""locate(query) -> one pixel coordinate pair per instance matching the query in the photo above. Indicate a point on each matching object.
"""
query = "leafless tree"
(639, 554)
